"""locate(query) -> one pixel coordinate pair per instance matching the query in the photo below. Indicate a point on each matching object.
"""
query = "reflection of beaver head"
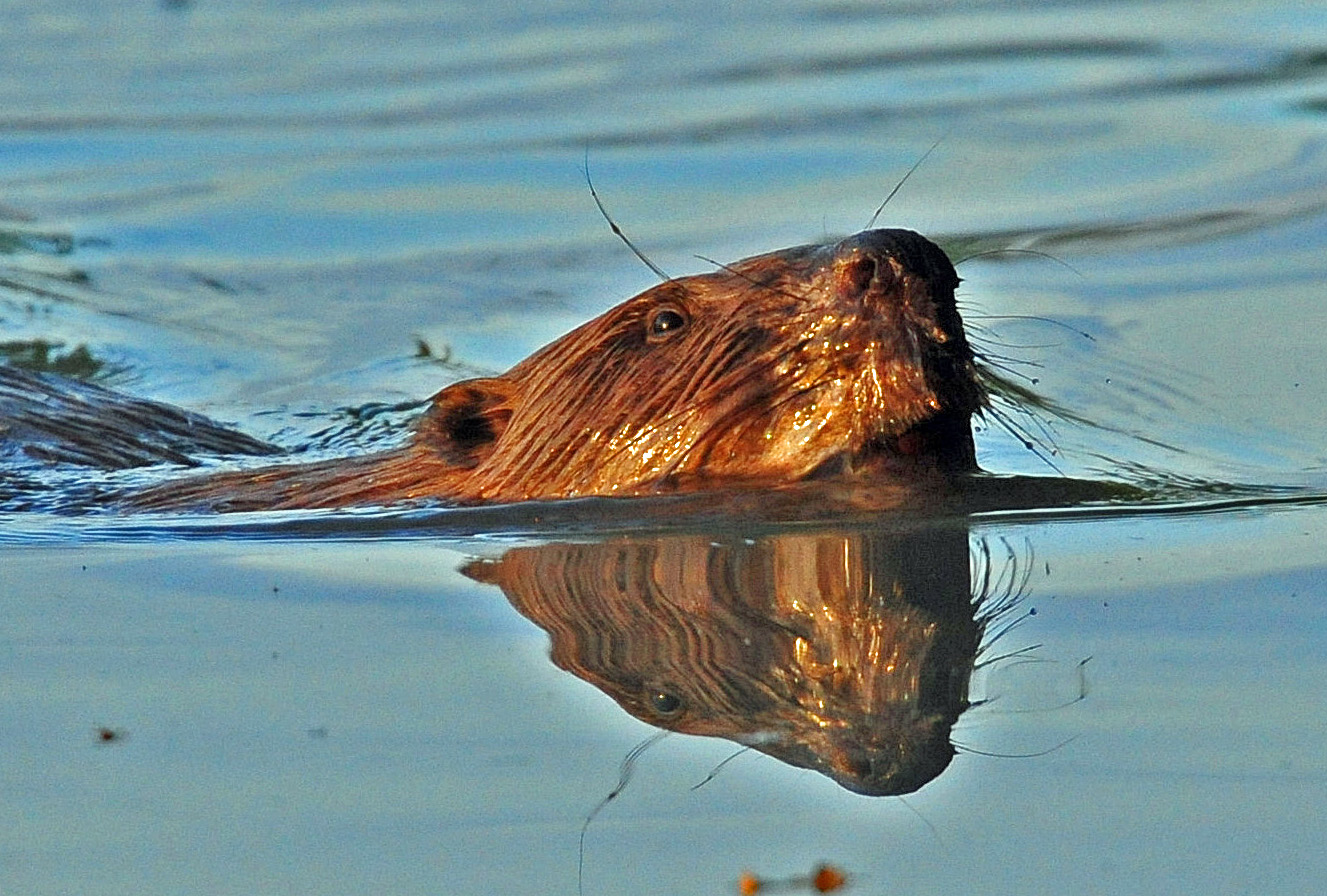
(812, 361)
(845, 654)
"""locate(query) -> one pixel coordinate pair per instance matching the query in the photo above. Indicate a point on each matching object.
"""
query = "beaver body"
(844, 359)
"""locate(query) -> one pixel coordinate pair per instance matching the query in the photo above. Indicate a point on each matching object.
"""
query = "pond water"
(261, 210)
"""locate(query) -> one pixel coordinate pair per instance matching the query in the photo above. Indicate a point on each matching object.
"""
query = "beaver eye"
(665, 323)
(664, 703)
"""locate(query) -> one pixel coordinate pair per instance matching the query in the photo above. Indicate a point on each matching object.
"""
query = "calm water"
(258, 210)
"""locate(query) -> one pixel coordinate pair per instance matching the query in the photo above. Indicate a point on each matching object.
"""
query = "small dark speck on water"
(109, 735)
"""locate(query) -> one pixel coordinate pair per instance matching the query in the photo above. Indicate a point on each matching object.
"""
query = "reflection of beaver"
(815, 361)
(844, 652)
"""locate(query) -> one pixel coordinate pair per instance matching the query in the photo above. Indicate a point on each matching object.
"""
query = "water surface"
(259, 210)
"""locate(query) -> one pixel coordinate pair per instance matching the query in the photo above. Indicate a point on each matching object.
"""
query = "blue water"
(257, 209)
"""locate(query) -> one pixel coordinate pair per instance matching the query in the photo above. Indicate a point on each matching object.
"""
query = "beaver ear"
(484, 571)
(466, 419)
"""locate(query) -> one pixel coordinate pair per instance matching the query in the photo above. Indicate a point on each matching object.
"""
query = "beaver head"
(815, 360)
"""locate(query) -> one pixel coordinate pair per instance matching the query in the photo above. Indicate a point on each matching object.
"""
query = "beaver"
(845, 359)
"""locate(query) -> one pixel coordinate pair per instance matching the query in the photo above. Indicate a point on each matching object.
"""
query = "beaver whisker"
(1006, 362)
(617, 231)
(1008, 366)
(903, 180)
(983, 338)
(1022, 436)
(1020, 251)
(1041, 320)
(763, 284)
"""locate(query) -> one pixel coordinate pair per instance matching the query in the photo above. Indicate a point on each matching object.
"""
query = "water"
(256, 210)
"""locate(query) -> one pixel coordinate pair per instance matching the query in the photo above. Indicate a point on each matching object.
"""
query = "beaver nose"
(906, 250)
(859, 271)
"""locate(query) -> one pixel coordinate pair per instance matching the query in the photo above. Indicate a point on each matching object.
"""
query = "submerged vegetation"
(43, 356)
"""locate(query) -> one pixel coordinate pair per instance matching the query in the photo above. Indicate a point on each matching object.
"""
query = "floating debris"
(824, 879)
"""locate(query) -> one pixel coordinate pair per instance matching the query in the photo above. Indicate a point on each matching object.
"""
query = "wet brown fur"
(840, 359)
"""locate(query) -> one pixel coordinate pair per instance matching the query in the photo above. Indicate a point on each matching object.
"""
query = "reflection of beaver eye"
(665, 323)
(664, 703)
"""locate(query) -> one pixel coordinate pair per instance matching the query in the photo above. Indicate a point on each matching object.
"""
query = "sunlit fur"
(817, 360)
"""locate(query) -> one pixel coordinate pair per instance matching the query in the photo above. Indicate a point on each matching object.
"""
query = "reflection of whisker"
(1004, 629)
(1023, 654)
(1080, 697)
(1082, 691)
(624, 775)
(963, 748)
(926, 821)
(996, 596)
(997, 593)
(715, 771)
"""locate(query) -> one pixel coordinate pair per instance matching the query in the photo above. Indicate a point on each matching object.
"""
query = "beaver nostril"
(862, 273)
(857, 275)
